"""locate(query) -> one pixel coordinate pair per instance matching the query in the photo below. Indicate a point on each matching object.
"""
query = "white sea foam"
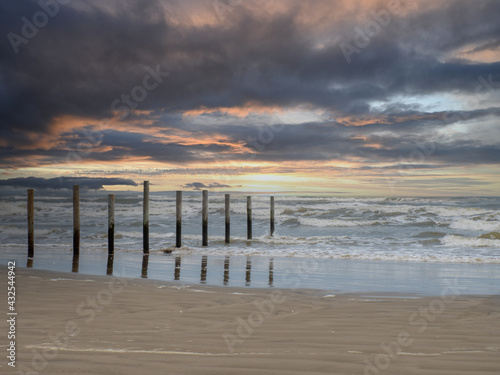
(336, 222)
(460, 241)
(476, 225)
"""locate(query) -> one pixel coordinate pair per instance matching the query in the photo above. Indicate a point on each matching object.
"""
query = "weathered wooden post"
(31, 223)
(111, 224)
(178, 216)
(204, 218)
(228, 225)
(249, 217)
(76, 220)
(272, 216)
(145, 219)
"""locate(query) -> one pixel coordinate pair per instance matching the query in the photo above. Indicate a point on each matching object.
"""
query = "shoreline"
(84, 324)
(334, 275)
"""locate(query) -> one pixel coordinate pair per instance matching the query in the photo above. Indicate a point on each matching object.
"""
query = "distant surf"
(463, 230)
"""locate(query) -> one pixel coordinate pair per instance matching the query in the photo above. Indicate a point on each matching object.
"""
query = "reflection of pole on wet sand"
(271, 271)
(76, 263)
(30, 263)
(177, 272)
(226, 270)
(145, 261)
(203, 277)
(248, 271)
(109, 267)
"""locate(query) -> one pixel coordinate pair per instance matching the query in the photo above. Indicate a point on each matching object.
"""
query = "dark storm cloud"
(201, 185)
(91, 53)
(77, 64)
(195, 185)
(65, 182)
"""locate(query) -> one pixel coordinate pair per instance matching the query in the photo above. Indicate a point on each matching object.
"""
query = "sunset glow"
(364, 97)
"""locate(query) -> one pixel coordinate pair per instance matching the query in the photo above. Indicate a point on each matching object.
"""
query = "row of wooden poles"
(111, 220)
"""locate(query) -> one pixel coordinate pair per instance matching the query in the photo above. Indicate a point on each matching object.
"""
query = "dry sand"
(78, 324)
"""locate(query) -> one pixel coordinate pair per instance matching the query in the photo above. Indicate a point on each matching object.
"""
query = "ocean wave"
(313, 222)
(491, 236)
(372, 254)
(291, 221)
(446, 211)
(430, 234)
(476, 225)
(462, 241)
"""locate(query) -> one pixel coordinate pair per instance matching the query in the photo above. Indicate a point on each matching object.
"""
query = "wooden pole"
(178, 216)
(111, 224)
(76, 220)
(228, 225)
(249, 217)
(31, 223)
(272, 216)
(145, 219)
(204, 218)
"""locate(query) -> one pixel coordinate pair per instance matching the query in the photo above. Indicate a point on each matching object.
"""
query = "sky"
(353, 97)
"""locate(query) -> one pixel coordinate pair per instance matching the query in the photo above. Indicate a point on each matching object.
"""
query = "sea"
(344, 244)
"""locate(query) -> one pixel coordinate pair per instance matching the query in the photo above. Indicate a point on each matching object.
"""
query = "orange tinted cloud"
(242, 111)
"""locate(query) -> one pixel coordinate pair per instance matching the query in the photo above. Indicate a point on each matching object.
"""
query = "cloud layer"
(65, 182)
(182, 84)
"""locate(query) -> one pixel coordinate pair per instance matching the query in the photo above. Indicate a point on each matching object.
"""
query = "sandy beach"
(80, 324)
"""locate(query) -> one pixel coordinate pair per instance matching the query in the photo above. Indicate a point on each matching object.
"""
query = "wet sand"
(80, 324)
